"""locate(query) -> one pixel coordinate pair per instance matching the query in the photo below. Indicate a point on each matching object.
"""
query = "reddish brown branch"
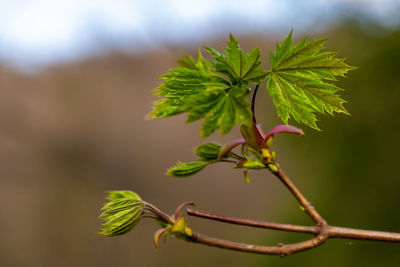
(350, 233)
(321, 231)
(308, 207)
(331, 231)
(281, 250)
(254, 223)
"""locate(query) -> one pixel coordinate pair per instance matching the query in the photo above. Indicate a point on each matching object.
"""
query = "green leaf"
(236, 64)
(181, 84)
(122, 213)
(202, 94)
(220, 109)
(189, 79)
(187, 62)
(190, 63)
(208, 151)
(186, 169)
(299, 81)
(215, 93)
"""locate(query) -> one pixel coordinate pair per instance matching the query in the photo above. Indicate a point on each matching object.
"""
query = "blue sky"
(36, 32)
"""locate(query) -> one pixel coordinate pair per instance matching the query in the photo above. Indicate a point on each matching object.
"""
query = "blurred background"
(75, 86)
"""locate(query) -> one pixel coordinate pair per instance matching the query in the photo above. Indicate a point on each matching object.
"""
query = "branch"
(281, 250)
(308, 207)
(253, 223)
(121, 217)
(321, 231)
(350, 233)
(331, 231)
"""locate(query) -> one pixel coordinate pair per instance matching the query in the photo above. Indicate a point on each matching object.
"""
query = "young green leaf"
(220, 109)
(186, 169)
(236, 64)
(208, 151)
(215, 93)
(181, 84)
(298, 81)
(193, 88)
(189, 62)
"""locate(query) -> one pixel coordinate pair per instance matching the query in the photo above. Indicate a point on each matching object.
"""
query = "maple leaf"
(236, 64)
(299, 81)
(213, 91)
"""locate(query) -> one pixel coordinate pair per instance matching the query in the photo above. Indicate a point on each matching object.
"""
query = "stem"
(289, 249)
(253, 103)
(321, 230)
(350, 233)
(281, 250)
(227, 160)
(331, 231)
(159, 214)
(308, 207)
(253, 223)
(235, 156)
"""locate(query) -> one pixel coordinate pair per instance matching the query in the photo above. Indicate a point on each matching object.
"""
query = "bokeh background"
(75, 86)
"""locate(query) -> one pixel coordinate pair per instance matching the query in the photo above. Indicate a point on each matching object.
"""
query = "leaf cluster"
(299, 82)
(213, 90)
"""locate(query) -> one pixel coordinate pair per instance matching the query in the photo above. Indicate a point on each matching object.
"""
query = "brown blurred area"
(70, 132)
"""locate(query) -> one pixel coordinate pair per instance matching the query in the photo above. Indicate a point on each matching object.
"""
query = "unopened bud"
(266, 155)
(272, 167)
(253, 164)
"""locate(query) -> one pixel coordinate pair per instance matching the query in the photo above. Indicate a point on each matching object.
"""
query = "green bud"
(253, 164)
(266, 155)
(208, 151)
(186, 168)
(272, 167)
(180, 229)
(122, 213)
